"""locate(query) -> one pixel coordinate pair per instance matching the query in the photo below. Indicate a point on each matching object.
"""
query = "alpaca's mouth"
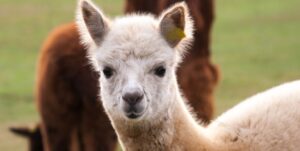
(133, 115)
(134, 112)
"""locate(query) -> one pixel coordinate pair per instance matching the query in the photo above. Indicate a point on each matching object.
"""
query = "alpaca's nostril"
(133, 98)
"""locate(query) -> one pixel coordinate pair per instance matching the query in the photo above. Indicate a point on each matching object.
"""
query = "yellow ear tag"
(175, 34)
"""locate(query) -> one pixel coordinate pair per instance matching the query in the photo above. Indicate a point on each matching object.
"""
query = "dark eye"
(160, 71)
(108, 72)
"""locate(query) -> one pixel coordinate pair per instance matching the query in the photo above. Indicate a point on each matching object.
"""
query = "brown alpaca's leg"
(197, 75)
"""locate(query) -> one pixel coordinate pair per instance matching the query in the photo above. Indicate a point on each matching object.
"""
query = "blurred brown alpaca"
(67, 93)
(67, 97)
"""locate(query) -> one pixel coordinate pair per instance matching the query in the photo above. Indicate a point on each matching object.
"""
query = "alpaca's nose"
(133, 98)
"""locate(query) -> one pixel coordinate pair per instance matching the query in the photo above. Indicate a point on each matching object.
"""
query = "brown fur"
(197, 76)
(67, 96)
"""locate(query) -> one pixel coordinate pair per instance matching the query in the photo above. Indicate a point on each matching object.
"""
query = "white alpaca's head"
(136, 56)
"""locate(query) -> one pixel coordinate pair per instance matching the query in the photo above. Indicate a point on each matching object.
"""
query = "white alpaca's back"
(268, 121)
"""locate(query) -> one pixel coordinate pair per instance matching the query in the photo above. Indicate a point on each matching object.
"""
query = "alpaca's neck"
(175, 130)
(189, 135)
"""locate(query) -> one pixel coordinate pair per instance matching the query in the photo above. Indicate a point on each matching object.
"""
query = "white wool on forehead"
(134, 29)
(134, 35)
(148, 24)
(137, 30)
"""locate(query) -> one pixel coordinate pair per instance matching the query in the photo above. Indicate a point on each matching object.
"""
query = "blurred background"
(256, 43)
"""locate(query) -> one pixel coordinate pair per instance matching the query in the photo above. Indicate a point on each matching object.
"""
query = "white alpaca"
(137, 57)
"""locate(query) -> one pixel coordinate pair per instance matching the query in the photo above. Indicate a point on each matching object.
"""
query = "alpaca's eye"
(108, 72)
(160, 71)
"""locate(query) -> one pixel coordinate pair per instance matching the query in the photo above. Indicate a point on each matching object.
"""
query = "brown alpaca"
(197, 76)
(67, 96)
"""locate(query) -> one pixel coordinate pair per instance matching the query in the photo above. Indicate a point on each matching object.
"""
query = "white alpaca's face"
(136, 72)
(136, 58)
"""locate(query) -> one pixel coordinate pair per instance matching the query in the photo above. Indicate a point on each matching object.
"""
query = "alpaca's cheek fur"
(157, 99)
(109, 96)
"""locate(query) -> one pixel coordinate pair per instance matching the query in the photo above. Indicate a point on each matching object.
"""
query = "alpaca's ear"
(91, 22)
(22, 131)
(175, 24)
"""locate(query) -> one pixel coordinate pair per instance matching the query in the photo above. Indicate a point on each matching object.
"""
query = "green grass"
(255, 42)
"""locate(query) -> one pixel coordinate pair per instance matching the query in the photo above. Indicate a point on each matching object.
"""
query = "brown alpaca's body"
(72, 117)
(67, 96)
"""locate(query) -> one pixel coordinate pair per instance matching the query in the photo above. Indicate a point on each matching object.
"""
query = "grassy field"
(255, 42)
